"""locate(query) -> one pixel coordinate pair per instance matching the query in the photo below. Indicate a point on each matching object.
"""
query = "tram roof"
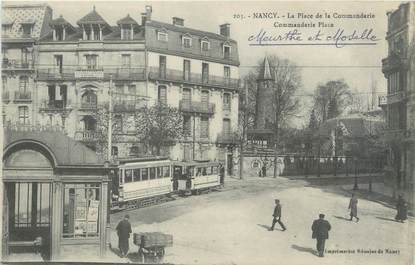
(141, 159)
(196, 163)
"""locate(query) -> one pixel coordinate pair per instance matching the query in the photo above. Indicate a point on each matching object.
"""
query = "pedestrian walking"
(264, 170)
(402, 209)
(277, 216)
(353, 208)
(222, 174)
(123, 232)
(320, 230)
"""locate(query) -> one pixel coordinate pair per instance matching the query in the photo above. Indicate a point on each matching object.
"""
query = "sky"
(359, 66)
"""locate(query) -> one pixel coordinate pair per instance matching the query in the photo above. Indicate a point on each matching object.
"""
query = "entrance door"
(29, 207)
(230, 164)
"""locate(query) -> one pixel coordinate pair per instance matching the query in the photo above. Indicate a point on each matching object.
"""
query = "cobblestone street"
(231, 226)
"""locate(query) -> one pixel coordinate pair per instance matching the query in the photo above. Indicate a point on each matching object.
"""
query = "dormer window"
(186, 42)
(162, 36)
(126, 33)
(6, 29)
(205, 45)
(59, 33)
(27, 30)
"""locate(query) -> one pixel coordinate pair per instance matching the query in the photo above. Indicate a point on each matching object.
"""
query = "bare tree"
(159, 126)
(331, 99)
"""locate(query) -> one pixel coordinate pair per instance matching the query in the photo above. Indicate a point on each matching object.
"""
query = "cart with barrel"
(151, 246)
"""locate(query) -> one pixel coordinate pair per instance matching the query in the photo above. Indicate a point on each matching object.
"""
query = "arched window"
(89, 99)
(90, 124)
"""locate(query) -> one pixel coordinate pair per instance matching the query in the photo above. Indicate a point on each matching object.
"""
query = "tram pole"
(109, 121)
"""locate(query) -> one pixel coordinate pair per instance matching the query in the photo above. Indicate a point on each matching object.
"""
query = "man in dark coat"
(123, 232)
(402, 210)
(277, 216)
(320, 230)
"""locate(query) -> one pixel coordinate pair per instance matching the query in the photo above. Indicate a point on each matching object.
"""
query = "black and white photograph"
(208, 132)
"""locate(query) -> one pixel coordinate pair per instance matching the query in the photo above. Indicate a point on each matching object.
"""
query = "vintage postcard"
(208, 132)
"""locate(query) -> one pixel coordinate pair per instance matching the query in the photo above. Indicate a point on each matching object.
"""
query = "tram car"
(195, 177)
(141, 182)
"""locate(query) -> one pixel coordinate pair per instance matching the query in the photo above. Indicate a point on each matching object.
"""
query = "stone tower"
(264, 97)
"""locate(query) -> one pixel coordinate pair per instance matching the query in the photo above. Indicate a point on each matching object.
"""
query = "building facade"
(82, 71)
(399, 69)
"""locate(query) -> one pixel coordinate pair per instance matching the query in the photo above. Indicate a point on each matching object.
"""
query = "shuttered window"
(162, 95)
(204, 127)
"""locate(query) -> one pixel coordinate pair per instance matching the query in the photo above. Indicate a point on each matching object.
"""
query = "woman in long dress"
(402, 210)
(353, 208)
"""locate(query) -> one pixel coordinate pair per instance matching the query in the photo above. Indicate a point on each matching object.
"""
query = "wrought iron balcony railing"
(118, 73)
(125, 73)
(55, 74)
(22, 95)
(88, 136)
(11, 64)
(89, 73)
(197, 107)
(157, 73)
(55, 105)
(227, 138)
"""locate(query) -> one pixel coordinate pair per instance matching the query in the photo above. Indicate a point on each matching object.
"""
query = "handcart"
(151, 246)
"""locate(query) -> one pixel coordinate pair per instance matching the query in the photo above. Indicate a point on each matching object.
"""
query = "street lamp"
(108, 227)
(355, 174)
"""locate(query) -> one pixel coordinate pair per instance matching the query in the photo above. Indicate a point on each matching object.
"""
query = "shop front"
(55, 198)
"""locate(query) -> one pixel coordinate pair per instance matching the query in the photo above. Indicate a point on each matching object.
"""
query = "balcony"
(227, 138)
(125, 73)
(89, 73)
(125, 106)
(88, 106)
(198, 79)
(5, 96)
(22, 96)
(55, 74)
(88, 136)
(197, 107)
(55, 106)
(9, 64)
(393, 62)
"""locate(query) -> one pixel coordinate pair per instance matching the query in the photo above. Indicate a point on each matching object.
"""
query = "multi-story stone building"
(22, 26)
(79, 68)
(399, 69)
(197, 72)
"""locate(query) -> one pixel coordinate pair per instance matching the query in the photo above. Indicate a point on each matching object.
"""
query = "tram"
(195, 177)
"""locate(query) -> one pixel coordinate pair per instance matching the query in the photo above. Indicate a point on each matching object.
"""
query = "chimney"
(178, 21)
(225, 30)
(146, 16)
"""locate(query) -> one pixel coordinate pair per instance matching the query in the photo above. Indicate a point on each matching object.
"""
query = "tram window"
(166, 172)
(128, 175)
(203, 171)
(152, 172)
(190, 171)
(136, 174)
(209, 170)
(144, 174)
(215, 170)
(199, 172)
(120, 177)
(159, 172)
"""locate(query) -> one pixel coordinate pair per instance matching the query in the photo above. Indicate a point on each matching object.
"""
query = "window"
(226, 101)
(162, 95)
(187, 42)
(118, 123)
(27, 30)
(152, 172)
(227, 72)
(5, 29)
(186, 70)
(204, 127)
(26, 57)
(91, 61)
(81, 210)
(23, 85)
(4, 83)
(226, 51)
(89, 99)
(204, 100)
(128, 176)
(162, 67)
(127, 33)
(126, 60)
(134, 150)
(166, 171)
(162, 36)
(159, 172)
(59, 33)
(24, 114)
(187, 126)
(136, 175)
(393, 83)
(90, 124)
(205, 46)
(114, 151)
(144, 174)
(226, 127)
(131, 89)
(187, 97)
(205, 72)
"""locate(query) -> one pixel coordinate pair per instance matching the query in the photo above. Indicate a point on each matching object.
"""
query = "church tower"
(264, 97)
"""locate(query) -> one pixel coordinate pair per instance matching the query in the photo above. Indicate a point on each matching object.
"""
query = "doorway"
(230, 164)
(29, 218)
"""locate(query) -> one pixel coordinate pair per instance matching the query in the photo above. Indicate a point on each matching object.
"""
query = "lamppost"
(355, 174)
(109, 192)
